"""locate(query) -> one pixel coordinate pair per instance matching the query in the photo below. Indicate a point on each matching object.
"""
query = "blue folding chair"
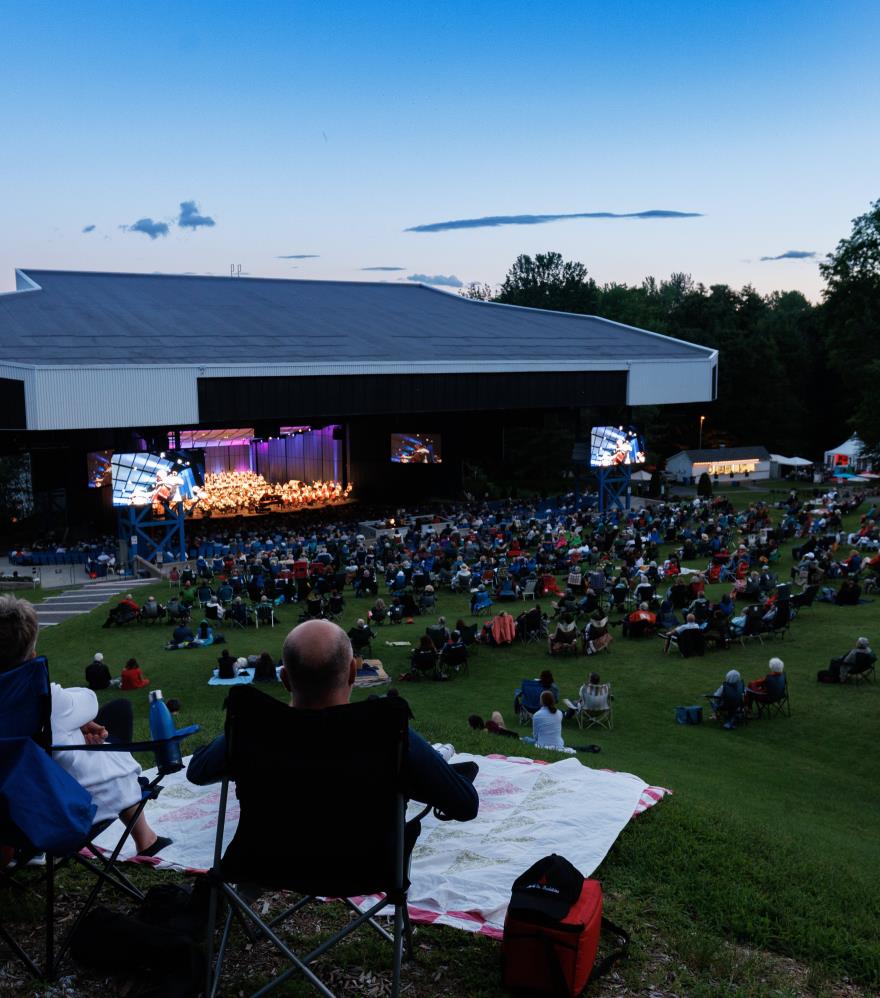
(25, 713)
(527, 699)
(482, 601)
(729, 705)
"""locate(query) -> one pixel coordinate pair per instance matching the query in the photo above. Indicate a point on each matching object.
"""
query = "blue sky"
(313, 135)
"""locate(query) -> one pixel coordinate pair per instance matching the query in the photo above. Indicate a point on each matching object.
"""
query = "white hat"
(99, 657)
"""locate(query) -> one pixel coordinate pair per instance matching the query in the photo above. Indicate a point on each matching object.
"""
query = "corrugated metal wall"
(92, 397)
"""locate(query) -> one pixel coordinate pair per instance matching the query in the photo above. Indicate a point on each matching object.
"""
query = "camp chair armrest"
(147, 746)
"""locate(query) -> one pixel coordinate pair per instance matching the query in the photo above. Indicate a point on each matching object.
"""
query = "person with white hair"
(770, 688)
(727, 700)
(855, 660)
(97, 674)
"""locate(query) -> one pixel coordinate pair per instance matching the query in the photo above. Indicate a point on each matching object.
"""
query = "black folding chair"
(862, 670)
(775, 701)
(453, 661)
(691, 643)
(345, 765)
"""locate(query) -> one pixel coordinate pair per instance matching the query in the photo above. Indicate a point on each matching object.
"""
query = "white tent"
(641, 476)
(793, 462)
(847, 455)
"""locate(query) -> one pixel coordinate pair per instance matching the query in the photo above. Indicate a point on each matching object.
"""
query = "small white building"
(727, 464)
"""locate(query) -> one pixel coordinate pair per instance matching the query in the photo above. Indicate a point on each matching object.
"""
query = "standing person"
(110, 777)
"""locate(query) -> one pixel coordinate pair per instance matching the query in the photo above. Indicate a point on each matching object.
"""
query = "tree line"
(794, 376)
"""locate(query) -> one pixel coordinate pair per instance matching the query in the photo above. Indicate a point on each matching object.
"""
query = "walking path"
(73, 602)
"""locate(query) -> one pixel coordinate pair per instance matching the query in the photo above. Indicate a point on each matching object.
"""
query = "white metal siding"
(104, 396)
(670, 382)
(80, 398)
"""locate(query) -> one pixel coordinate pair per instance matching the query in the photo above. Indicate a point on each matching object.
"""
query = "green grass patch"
(769, 844)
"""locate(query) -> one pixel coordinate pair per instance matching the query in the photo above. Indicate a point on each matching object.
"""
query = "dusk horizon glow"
(184, 139)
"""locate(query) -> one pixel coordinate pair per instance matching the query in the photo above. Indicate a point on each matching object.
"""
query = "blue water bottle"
(168, 757)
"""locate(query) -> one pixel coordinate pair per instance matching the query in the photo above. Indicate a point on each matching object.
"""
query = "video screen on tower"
(142, 478)
(611, 446)
(98, 468)
(416, 448)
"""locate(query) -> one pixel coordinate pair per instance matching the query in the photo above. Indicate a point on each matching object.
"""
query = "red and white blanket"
(461, 872)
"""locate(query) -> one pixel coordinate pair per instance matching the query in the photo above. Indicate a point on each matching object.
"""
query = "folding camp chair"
(528, 590)
(804, 600)
(754, 627)
(862, 670)
(425, 662)
(346, 765)
(238, 616)
(781, 621)
(438, 635)
(152, 613)
(453, 661)
(595, 717)
(776, 700)
(530, 625)
(264, 615)
(469, 637)
(729, 706)
(527, 699)
(25, 712)
(481, 603)
(691, 643)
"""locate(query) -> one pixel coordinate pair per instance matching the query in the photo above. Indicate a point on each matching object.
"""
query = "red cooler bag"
(551, 931)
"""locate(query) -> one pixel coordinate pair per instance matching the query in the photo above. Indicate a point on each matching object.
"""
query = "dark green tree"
(850, 324)
(478, 291)
(548, 281)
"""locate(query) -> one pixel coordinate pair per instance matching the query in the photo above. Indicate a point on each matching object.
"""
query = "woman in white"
(110, 777)
(547, 723)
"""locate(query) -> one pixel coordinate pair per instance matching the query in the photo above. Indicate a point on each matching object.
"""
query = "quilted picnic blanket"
(461, 872)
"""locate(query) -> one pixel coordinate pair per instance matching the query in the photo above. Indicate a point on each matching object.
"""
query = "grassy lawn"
(759, 876)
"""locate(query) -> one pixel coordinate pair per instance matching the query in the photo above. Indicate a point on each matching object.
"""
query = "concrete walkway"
(74, 602)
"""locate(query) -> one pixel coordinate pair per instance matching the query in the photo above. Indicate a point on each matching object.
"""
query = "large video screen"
(141, 479)
(614, 445)
(98, 469)
(416, 448)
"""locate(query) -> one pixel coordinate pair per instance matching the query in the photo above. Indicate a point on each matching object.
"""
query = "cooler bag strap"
(604, 965)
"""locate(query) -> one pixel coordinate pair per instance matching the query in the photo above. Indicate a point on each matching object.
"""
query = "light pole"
(702, 420)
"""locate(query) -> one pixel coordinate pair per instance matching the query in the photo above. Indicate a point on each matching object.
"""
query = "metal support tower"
(148, 537)
(615, 490)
